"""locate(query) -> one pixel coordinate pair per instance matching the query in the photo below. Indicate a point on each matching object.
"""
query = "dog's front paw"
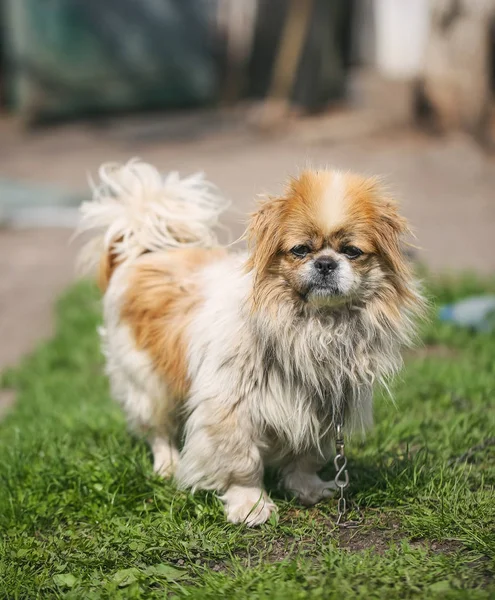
(247, 505)
(308, 488)
(165, 458)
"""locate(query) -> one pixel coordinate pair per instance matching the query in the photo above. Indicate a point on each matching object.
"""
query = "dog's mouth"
(324, 290)
(328, 294)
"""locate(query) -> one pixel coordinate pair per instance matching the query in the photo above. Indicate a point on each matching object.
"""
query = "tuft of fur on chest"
(315, 370)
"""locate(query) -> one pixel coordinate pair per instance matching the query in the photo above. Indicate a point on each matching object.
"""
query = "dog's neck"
(336, 354)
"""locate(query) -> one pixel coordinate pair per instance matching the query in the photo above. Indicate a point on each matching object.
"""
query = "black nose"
(325, 264)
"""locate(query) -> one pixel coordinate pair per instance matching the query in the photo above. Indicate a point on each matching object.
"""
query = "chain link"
(341, 474)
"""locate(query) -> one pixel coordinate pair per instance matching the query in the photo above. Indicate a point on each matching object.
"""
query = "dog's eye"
(300, 251)
(351, 252)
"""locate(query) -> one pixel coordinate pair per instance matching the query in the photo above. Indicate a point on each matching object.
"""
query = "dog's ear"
(389, 236)
(390, 231)
(264, 233)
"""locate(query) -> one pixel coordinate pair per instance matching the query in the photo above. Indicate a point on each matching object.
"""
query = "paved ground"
(447, 187)
(35, 266)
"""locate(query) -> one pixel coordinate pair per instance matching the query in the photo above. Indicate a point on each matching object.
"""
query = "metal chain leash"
(341, 474)
(341, 480)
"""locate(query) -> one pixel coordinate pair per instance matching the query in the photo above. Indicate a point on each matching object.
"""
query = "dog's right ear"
(264, 234)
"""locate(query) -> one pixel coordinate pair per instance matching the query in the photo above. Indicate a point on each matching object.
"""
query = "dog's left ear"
(391, 230)
(264, 233)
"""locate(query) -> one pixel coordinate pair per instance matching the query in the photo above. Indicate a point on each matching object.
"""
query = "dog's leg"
(300, 478)
(150, 413)
(220, 454)
(249, 505)
(165, 454)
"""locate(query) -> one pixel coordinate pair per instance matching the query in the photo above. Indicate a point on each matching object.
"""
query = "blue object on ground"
(477, 312)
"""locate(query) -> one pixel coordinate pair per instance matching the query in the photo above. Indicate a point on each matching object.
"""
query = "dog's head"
(332, 238)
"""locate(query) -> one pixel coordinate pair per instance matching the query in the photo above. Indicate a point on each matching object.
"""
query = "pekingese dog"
(231, 362)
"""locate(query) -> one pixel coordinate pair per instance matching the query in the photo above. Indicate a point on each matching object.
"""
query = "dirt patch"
(380, 538)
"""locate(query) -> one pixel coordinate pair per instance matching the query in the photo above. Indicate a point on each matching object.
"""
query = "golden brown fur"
(107, 265)
(159, 304)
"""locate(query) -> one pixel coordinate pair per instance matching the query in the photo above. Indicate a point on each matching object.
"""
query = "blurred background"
(248, 91)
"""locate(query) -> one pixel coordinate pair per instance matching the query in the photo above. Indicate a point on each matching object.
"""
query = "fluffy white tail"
(135, 209)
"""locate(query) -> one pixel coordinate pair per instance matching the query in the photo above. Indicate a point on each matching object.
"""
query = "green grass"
(82, 515)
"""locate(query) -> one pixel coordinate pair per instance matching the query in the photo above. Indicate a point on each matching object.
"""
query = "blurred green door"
(67, 57)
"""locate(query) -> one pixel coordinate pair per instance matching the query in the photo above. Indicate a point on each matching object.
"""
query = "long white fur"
(264, 390)
(137, 209)
(322, 367)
